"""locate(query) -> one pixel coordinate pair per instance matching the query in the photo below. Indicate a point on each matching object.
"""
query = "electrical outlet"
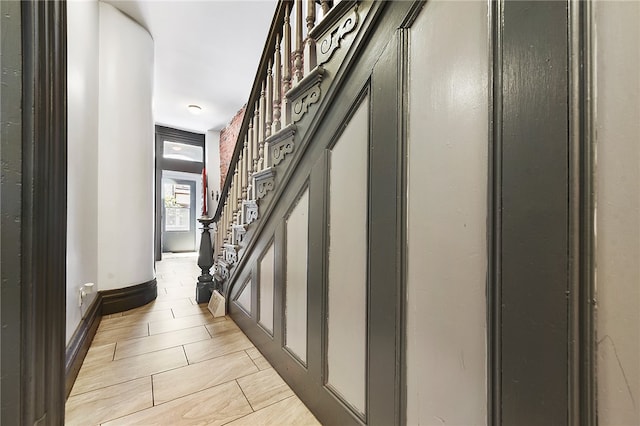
(83, 291)
(81, 295)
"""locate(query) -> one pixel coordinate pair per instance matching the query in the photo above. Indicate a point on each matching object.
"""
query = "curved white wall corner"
(82, 165)
(447, 211)
(126, 152)
(617, 182)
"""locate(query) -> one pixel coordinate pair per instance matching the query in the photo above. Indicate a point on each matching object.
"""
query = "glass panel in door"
(179, 212)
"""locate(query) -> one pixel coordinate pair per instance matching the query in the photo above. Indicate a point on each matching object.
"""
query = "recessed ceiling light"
(194, 109)
(176, 148)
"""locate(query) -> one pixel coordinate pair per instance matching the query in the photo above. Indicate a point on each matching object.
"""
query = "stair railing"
(268, 112)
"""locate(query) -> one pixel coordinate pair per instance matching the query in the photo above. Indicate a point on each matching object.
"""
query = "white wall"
(447, 213)
(212, 163)
(82, 175)
(126, 150)
(617, 47)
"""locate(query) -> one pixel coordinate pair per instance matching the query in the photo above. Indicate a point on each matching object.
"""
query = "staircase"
(288, 86)
(321, 139)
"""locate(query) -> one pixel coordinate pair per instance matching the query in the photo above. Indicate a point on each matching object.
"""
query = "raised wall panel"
(266, 290)
(296, 286)
(617, 180)
(347, 285)
(446, 357)
(244, 299)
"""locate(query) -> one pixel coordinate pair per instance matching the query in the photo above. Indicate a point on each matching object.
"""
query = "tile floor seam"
(153, 395)
(117, 340)
(119, 417)
(224, 354)
(129, 325)
(248, 414)
(208, 332)
(159, 350)
(276, 402)
(184, 351)
(104, 387)
(136, 378)
(202, 390)
(253, 361)
(245, 396)
(249, 374)
(172, 331)
(158, 372)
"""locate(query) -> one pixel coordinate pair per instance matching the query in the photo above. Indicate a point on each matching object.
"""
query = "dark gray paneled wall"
(10, 208)
(538, 312)
(531, 243)
(371, 70)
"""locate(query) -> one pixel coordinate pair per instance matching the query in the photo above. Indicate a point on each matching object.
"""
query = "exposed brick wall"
(228, 138)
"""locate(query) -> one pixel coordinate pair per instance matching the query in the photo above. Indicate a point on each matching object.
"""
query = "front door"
(178, 215)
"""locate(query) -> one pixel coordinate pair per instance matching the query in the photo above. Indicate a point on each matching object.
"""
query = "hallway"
(171, 363)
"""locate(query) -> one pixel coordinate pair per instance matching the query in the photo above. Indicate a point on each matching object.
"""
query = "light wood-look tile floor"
(171, 363)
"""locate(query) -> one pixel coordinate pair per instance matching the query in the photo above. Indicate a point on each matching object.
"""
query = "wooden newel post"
(204, 286)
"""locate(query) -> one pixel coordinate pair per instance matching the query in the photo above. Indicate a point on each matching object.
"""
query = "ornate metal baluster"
(237, 177)
(219, 235)
(245, 170)
(256, 138)
(232, 189)
(252, 158)
(326, 7)
(310, 45)
(229, 211)
(286, 65)
(239, 190)
(224, 222)
(269, 103)
(299, 43)
(261, 128)
(230, 216)
(277, 88)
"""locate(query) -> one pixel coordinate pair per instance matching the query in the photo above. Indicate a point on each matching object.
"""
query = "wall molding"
(531, 286)
(106, 302)
(80, 342)
(582, 333)
(34, 173)
(123, 299)
(494, 231)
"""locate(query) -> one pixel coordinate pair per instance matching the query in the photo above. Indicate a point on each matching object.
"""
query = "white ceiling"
(206, 53)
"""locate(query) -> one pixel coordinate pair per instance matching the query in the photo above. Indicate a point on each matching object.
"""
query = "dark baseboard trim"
(123, 299)
(106, 302)
(80, 342)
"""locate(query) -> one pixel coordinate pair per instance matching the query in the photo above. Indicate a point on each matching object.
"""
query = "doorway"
(179, 191)
(180, 206)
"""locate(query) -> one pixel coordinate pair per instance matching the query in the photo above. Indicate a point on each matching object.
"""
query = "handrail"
(288, 56)
(267, 54)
